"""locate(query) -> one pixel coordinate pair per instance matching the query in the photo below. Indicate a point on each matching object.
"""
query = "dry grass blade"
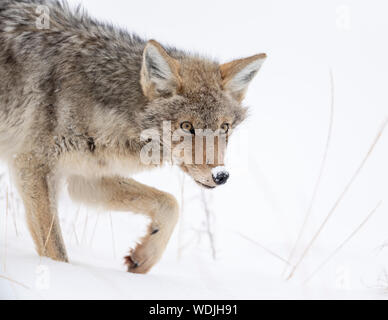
(85, 227)
(48, 236)
(74, 226)
(209, 232)
(113, 235)
(343, 243)
(13, 208)
(75, 235)
(49, 233)
(339, 199)
(14, 281)
(264, 248)
(182, 210)
(94, 229)
(5, 233)
(321, 169)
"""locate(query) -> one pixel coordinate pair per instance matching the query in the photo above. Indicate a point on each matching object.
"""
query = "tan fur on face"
(200, 168)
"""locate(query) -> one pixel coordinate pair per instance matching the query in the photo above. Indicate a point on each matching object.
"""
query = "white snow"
(218, 170)
(275, 157)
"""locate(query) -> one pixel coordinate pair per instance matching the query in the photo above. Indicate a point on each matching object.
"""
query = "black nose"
(221, 177)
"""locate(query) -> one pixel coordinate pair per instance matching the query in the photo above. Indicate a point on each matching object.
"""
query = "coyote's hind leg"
(121, 194)
(37, 188)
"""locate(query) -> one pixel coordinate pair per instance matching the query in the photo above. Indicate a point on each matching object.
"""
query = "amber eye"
(224, 127)
(188, 127)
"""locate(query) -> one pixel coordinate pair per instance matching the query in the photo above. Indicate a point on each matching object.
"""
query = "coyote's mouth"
(204, 185)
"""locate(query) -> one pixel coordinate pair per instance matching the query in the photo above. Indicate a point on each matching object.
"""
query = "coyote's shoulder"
(76, 95)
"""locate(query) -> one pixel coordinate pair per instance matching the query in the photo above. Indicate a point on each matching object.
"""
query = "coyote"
(76, 95)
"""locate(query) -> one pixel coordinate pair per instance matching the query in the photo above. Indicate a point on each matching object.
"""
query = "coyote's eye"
(224, 127)
(188, 127)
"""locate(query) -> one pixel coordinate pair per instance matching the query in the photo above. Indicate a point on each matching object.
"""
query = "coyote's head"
(202, 100)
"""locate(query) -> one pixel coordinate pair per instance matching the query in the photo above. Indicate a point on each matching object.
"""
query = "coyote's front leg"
(116, 193)
(37, 187)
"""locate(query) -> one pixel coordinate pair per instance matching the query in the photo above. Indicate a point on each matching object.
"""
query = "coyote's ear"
(159, 72)
(236, 75)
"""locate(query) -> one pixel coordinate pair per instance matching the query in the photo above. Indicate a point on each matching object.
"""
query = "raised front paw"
(145, 255)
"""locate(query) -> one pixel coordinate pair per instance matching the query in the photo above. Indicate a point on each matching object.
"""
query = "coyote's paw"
(143, 257)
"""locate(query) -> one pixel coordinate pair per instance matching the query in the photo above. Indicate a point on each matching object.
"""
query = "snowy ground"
(275, 160)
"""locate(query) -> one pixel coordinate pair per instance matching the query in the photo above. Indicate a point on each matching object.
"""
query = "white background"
(275, 159)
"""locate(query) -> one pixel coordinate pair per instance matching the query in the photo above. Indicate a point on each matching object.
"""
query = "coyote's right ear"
(159, 72)
(236, 75)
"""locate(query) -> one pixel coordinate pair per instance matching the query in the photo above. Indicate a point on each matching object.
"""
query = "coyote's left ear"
(236, 75)
(159, 72)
